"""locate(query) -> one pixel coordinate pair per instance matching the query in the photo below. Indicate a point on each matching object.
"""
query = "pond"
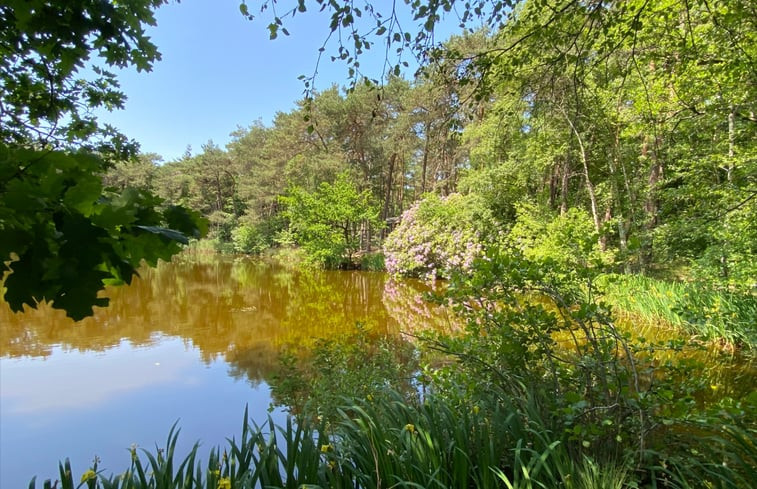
(193, 341)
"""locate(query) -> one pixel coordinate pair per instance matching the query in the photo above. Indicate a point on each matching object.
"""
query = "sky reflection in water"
(85, 404)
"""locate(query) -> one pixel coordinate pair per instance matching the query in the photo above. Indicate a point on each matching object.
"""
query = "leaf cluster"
(43, 48)
(64, 235)
(329, 222)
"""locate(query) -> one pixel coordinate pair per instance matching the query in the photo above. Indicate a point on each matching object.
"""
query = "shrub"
(438, 236)
(373, 262)
(248, 239)
(330, 222)
(316, 381)
(540, 339)
(569, 240)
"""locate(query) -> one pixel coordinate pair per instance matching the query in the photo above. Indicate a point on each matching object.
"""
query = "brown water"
(192, 341)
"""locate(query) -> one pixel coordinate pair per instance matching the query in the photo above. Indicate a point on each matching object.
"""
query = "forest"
(581, 177)
(646, 149)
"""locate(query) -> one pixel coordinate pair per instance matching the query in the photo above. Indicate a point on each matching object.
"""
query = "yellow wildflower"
(476, 409)
(90, 474)
(224, 483)
(410, 428)
(326, 448)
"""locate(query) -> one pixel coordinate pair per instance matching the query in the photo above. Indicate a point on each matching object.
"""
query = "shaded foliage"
(64, 234)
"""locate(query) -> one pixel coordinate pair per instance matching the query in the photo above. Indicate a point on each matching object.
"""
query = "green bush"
(539, 337)
(373, 262)
(569, 240)
(331, 222)
(248, 239)
(317, 380)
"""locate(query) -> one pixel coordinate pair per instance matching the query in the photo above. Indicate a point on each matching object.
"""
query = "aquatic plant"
(707, 313)
(435, 443)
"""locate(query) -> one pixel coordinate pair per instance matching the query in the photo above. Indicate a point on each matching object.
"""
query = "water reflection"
(242, 311)
(193, 340)
(75, 381)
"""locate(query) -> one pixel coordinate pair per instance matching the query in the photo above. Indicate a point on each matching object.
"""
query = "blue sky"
(220, 71)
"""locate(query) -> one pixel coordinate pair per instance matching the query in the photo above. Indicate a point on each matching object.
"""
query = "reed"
(709, 314)
(434, 444)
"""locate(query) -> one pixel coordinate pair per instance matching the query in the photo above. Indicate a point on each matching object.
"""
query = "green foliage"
(373, 262)
(539, 340)
(248, 239)
(363, 365)
(436, 443)
(533, 336)
(256, 235)
(569, 240)
(137, 172)
(65, 235)
(371, 443)
(726, 316)
(255, 460)
(439, 236)
(331, 223)
(43, 45)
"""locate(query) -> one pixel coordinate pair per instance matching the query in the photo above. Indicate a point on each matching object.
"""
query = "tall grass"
(725, 316)
(373, 445)
(392, 444)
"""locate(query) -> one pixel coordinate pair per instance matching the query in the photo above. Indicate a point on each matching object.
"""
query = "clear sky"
(220, 71)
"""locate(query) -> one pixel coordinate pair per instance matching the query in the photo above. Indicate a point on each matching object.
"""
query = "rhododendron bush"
(439, 235)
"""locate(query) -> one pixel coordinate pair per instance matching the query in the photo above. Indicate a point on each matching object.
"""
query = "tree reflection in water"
(244, 311)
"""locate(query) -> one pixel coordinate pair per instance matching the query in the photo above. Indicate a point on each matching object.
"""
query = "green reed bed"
(726, 316)
(373, 445)
(392, 444)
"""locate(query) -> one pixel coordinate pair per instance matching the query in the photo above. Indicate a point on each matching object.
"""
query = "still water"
(192, 341)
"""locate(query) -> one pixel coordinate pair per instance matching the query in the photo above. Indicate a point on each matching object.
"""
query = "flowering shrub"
(439, 235)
